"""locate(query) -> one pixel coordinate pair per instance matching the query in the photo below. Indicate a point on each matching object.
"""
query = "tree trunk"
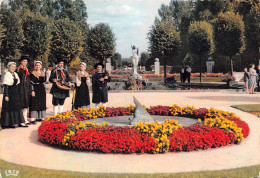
(231, 66)
(164, 67)
(200, 69)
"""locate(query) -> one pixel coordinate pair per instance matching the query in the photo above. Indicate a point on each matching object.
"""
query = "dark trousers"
(188, 77)
(57, 101)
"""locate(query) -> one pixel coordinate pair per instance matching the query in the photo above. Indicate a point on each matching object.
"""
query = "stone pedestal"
(210, 65)
(108, 66)
(157, 66)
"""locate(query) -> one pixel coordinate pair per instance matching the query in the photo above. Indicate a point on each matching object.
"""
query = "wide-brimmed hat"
(60, 59)
(99, 64)
(24, 57)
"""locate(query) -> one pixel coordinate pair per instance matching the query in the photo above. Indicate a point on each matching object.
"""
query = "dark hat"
(99, 64)
(60, 59)
(24, 57)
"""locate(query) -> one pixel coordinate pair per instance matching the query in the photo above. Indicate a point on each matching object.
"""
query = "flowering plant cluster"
(160, 132)
(215, 128)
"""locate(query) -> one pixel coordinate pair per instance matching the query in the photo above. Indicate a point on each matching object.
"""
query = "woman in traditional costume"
(11, 114)
(82, 87)
(38, 99)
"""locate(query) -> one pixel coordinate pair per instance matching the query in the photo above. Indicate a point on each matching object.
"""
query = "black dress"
(82, 94)
(25, 87)
(55, 91)
(38, 102)
(99, 89)
(12, 110)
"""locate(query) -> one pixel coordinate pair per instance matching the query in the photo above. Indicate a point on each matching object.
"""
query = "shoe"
(39, 120)
(23, 125)
(13, 126)
(33, 122)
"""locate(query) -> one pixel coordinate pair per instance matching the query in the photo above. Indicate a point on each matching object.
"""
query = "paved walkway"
(21, 145)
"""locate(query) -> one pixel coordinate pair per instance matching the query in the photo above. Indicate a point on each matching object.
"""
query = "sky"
(130, 20)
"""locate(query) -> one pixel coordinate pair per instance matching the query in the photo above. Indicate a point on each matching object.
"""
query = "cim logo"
(8, 173)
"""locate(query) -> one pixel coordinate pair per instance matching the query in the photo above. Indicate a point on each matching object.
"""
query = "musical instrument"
(61, 84)
(64, 85)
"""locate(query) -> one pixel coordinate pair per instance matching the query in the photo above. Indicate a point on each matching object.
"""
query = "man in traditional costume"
(99, 86)
(25, 85)
(59, 74)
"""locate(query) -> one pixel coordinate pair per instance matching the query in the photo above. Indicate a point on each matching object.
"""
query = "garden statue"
(135, 59)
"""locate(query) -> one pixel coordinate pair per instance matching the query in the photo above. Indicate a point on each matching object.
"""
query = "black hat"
(24, 58)
(99, 64)
(60, 59)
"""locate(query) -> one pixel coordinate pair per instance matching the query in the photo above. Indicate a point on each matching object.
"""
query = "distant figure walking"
(182, 74)
(246, 78)
(252, 78)
(188, 73)
(258, 78)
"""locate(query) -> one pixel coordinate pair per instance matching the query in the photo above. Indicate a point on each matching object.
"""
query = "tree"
(252, 21)
(13, 41)
(207, 10)
(200, 40)
(164, 41)
(229, 35)
(116, 60)
(66, 39)
(101, 42)
(36, 30)
(144, 58)
(2, 34)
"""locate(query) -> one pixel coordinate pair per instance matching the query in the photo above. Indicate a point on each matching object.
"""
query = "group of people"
(252, 78)
(24, 90)
(185, 74)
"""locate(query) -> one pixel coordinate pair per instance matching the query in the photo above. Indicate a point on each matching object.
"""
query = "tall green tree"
(101, 42)
(164, 41)
(229, 35)
(66, 39)
(13, 41)
(116, 60)
(252, 27)
(2, 33)
(36, 30)
(200, 40)
(144, 57)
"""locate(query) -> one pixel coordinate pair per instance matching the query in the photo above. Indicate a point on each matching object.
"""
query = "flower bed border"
(215, 128)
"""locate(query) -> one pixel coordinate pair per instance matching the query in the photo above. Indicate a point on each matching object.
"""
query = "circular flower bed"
(215, 128)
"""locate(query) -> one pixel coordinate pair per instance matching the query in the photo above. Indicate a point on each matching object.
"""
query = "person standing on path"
(11, 114)
(258, 78)
(252, 79)
(59, 74)
(99, 86)
(246, 78)
(38, 99)
(182, 74)
(82, 80)
(188, 73)
(25, 85)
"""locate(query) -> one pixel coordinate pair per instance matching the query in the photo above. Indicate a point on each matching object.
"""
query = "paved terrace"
(21, 145)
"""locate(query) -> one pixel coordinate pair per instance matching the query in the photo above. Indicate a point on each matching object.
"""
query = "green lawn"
(30, 172)
(248, 107)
